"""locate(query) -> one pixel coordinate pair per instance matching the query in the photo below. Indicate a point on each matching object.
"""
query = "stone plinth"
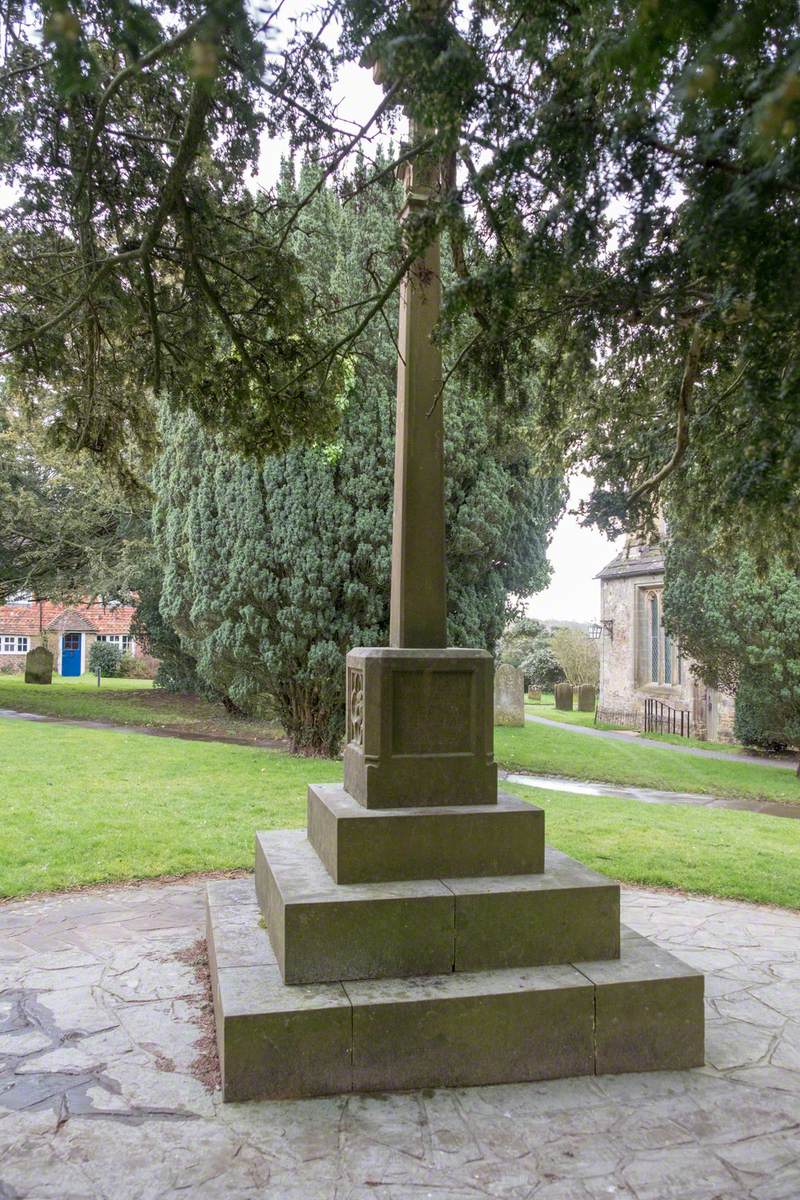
(643, 1011)
(368, 845)
(322, 932)
(419, 728)
(509, 695)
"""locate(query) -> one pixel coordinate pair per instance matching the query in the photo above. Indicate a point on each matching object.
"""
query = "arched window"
(654, 638)
(667, 658)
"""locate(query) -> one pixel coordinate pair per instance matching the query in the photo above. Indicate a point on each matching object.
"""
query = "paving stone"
(71, 1060)
(25, 1041)
(76, 1010)
(733, 1044)
(739, 1123)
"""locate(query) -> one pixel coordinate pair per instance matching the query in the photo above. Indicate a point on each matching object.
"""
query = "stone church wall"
(622, 695)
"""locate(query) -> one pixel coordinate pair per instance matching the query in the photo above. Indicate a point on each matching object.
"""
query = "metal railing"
(663, 718)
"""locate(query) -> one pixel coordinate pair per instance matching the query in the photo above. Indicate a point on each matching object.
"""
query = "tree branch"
(712, 162)
(153, 313)
(123, 76)
(386, 103)
(691, 372)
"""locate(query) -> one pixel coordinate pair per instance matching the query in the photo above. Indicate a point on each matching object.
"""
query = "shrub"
(541, 668)
(757, 720)
(105, 657)
(137, 668)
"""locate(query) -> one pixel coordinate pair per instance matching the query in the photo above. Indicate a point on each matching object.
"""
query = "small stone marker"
(586, 698)
(39, 665)
(535, 695)
(509, 695)
(564, 696)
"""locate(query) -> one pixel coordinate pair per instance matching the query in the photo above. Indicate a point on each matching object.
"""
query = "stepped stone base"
(643, 1011)
(322, 931)
(369, 845)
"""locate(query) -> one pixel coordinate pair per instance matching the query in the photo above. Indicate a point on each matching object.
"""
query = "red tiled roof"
(24, 618)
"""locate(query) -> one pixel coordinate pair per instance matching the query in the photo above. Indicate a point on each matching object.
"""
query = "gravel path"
(619, 735)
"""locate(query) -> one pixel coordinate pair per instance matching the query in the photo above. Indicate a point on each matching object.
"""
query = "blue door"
(71, 654)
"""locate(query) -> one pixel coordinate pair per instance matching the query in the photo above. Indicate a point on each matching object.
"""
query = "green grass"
(675, 739)
(564, 752)
(564, 716)
(714, 852)
(126, 702)
(83, 806)
(548, 710)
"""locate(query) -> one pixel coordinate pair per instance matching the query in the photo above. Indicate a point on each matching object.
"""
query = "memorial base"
(640, 1012)
(418, 934)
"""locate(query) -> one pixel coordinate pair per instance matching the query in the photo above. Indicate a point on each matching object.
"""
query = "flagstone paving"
(103, 1079)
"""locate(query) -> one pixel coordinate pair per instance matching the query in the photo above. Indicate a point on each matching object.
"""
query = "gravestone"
(509, 695)
(535, 695)
(587, 698)
(468, 955)
(564, 696)
(39, 665)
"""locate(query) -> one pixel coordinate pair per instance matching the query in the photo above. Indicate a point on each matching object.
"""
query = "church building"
(639, 661)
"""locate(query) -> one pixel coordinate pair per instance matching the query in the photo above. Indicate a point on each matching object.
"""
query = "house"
(639, 661)
(68, 631)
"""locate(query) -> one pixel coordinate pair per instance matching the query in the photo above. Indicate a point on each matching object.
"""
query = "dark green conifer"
(273, 570)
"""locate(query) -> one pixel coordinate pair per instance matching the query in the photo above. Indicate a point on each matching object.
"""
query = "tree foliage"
(634, 173)
(577, 655)
(66, 529)
(134, 258)
(629, 175)
(740, 624)
(541, 667)
(273, 570)
(105, 657)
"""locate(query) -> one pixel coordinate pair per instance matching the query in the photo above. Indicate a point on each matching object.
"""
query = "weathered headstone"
(39, 665)
(587, 698)
(509, 695)
(564, 696)
(535, 695)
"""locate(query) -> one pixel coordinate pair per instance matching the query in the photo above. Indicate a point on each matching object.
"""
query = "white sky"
(576, 555)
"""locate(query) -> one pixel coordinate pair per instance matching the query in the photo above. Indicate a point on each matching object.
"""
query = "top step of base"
(370, 845)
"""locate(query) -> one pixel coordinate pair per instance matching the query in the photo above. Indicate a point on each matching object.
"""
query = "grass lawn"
(564, 752)
(127, 702)
(744, 856)
(83, 806)
(548, 710)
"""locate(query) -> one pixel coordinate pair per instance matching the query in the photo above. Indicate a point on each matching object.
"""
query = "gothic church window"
(658, 657)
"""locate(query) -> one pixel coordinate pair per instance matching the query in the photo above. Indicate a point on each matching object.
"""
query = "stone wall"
(622, 695)
(12, 664)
